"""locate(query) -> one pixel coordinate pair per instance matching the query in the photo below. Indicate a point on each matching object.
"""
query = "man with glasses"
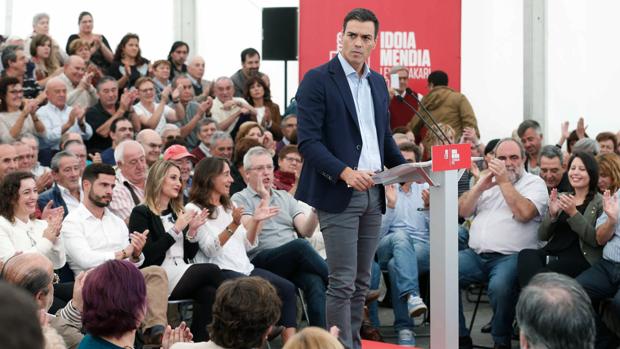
(152, 144)
(289, 131)
(130, 178)
(188, 111)
(289, 167)
(279, 250)
(8, 160)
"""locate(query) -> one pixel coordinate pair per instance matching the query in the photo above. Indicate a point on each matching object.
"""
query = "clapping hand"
(138, 240)
(486, 182)
(499, 171)
(54, 223)
(181, 334)
(610, 206)
(426, 198)
(554, 203)
(390, 195)
(196, 222)
(264, 211)
(581, 128)
(567, 204)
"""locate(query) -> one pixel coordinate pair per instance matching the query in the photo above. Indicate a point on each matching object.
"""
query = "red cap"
(176, 152)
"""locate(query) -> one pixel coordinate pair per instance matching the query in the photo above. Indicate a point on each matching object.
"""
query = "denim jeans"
(298, 262)
(396, 253)
(375, 282)
(500, 271)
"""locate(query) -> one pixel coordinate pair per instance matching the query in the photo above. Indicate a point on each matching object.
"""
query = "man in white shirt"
(93, 235)
(66, 191)
(227, 109)
(80, 90)
(59, 118)
(507, 205)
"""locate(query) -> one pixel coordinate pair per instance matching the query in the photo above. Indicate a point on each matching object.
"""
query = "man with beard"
(531, 137)
(93, 234)
(507, 205)
(250, 64)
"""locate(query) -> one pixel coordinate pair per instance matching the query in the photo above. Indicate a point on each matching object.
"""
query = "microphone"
(445, 139)
(423, 118)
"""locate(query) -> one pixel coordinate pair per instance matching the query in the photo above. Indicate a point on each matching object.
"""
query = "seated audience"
(250, 129)
(93, 234)
(153, 115)
(290, 162)
(128, 64)
(79, 83)
(531, 137)
(177, 57)
(257, 93)
(66, 191)
(101, 53)
(179, 155)
(15, 65)
(82, 48)
(8, 160)
(237, 171)
(189, 112)
(169, 242)
(279, 250)
(130, 178)
(552, 169)
(161, 77)
(169, 133)
(46, 63)
(609, 173)
(313, 338)
(554, 312)
(228, 111)
(19, 232)
(108, 109)
(195, 72)
(79, 150)
(41, 26)
(225, 242)
(289, 131)
(152, 145)
(121, 129)
(607, 142)
(17, 117)
(244, 312)
(221, 145)
(206, 129)
(37, 169)
(568, 225)
(507, 197)
(250, 65)
(24, 156)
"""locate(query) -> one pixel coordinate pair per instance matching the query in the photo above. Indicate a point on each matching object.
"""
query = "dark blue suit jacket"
(329, 137)
(52, 194)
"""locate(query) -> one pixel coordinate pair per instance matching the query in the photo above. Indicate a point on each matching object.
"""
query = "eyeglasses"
(262, 168)
(291, 159)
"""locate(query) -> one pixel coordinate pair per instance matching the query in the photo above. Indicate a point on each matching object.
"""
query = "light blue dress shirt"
(408, 214)
(370, 158)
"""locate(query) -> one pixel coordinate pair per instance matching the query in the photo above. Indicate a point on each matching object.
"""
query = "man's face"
(251, 65)
(607, 146)
(100, 191)
(170, 134)
(358, 40)
(205, 133)
(133, 166)
(108, 93)
(76, 70)
(403, 78)
(124, 131)
(42, 26)
(187, 91)
(224, 90)
(78, 150)
(179, 55)
(68, 174)
(261, 171)
(20, 62)
(510, 153)
(289, 127)
(532, 141)
(25, 157)
(408, 155)
(8, 159)
(551, 171)
(185, 165)
(152, 148)
(291, 163)
(57, 94)
(32, 143)
(196, 69)
(223, 148)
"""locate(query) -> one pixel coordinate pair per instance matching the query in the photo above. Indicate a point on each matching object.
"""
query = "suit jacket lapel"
(340, 79)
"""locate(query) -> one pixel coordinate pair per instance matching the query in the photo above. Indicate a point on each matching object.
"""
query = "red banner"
(420, 35)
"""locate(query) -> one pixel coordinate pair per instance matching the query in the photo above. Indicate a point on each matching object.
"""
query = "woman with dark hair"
(101, 53)
(46, 63)
(258, 94)
(177, 57)
(244, 312)
(18, 232)
(170, 242)
(16, 116)
(128, 64)
(223, 239)
(568, 226)
(114, 305)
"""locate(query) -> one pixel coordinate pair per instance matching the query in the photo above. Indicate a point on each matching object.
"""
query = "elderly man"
(24, 156)
(14, 62)
(552, 170)
(554, 312)
(130, 178)
(66, 191)
(279, 250)
(250, 65)
(80, 90)
(109, 108)
(8, 159)
(34, 273)
(206, 129)
(169, 133)
(59, 118)
(151, 142)
(79, 149)
(221, 145)
(229, 111)
(195, 72)
(531, 137)
(506, 205)
(188, 111)
(400, 114)
(121, 130)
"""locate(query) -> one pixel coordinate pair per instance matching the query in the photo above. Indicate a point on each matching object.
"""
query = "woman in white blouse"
(224, 241)
(153, 115)
(20, 233)
(17, 116)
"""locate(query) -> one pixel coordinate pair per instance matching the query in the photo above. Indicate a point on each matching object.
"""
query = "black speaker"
(280, 34)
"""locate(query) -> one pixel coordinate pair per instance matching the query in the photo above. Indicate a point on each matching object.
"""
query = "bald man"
(152, 144)
(80, 89)
(34, 273)
(8, 159)
(195, 72)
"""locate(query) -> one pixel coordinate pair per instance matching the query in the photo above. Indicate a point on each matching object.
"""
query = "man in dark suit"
(344, 136)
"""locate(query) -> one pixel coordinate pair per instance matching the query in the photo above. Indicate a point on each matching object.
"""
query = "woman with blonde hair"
(313, 338)
(169, 245)
(609, 172)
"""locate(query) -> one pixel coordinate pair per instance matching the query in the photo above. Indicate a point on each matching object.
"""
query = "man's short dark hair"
(55, 162)
(103, 80)
(361, 15)
(438, 78)
(116, 121)
(411, 147)
(555, 312)
(92, 171)
(19, 319)
(527, 124)
(551, 152)
(249, 52)
(9, 54)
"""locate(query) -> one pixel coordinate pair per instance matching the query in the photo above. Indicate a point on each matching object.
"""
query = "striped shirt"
(122, 201)
(611, 251)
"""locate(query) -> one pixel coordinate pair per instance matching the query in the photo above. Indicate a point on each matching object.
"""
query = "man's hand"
(498, 169)
(229, 104)
(581, 128)
(206, 105)
(358, 180)
(165, 94)
(85, 82)
(44, 181)
(486, 182)
(77, 290)
(564, 130)
(138, 240)
(95, 158)
(390, 195)
(610, 207)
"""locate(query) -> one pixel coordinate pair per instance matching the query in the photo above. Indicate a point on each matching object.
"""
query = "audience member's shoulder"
(192, 207)
(535, 180)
